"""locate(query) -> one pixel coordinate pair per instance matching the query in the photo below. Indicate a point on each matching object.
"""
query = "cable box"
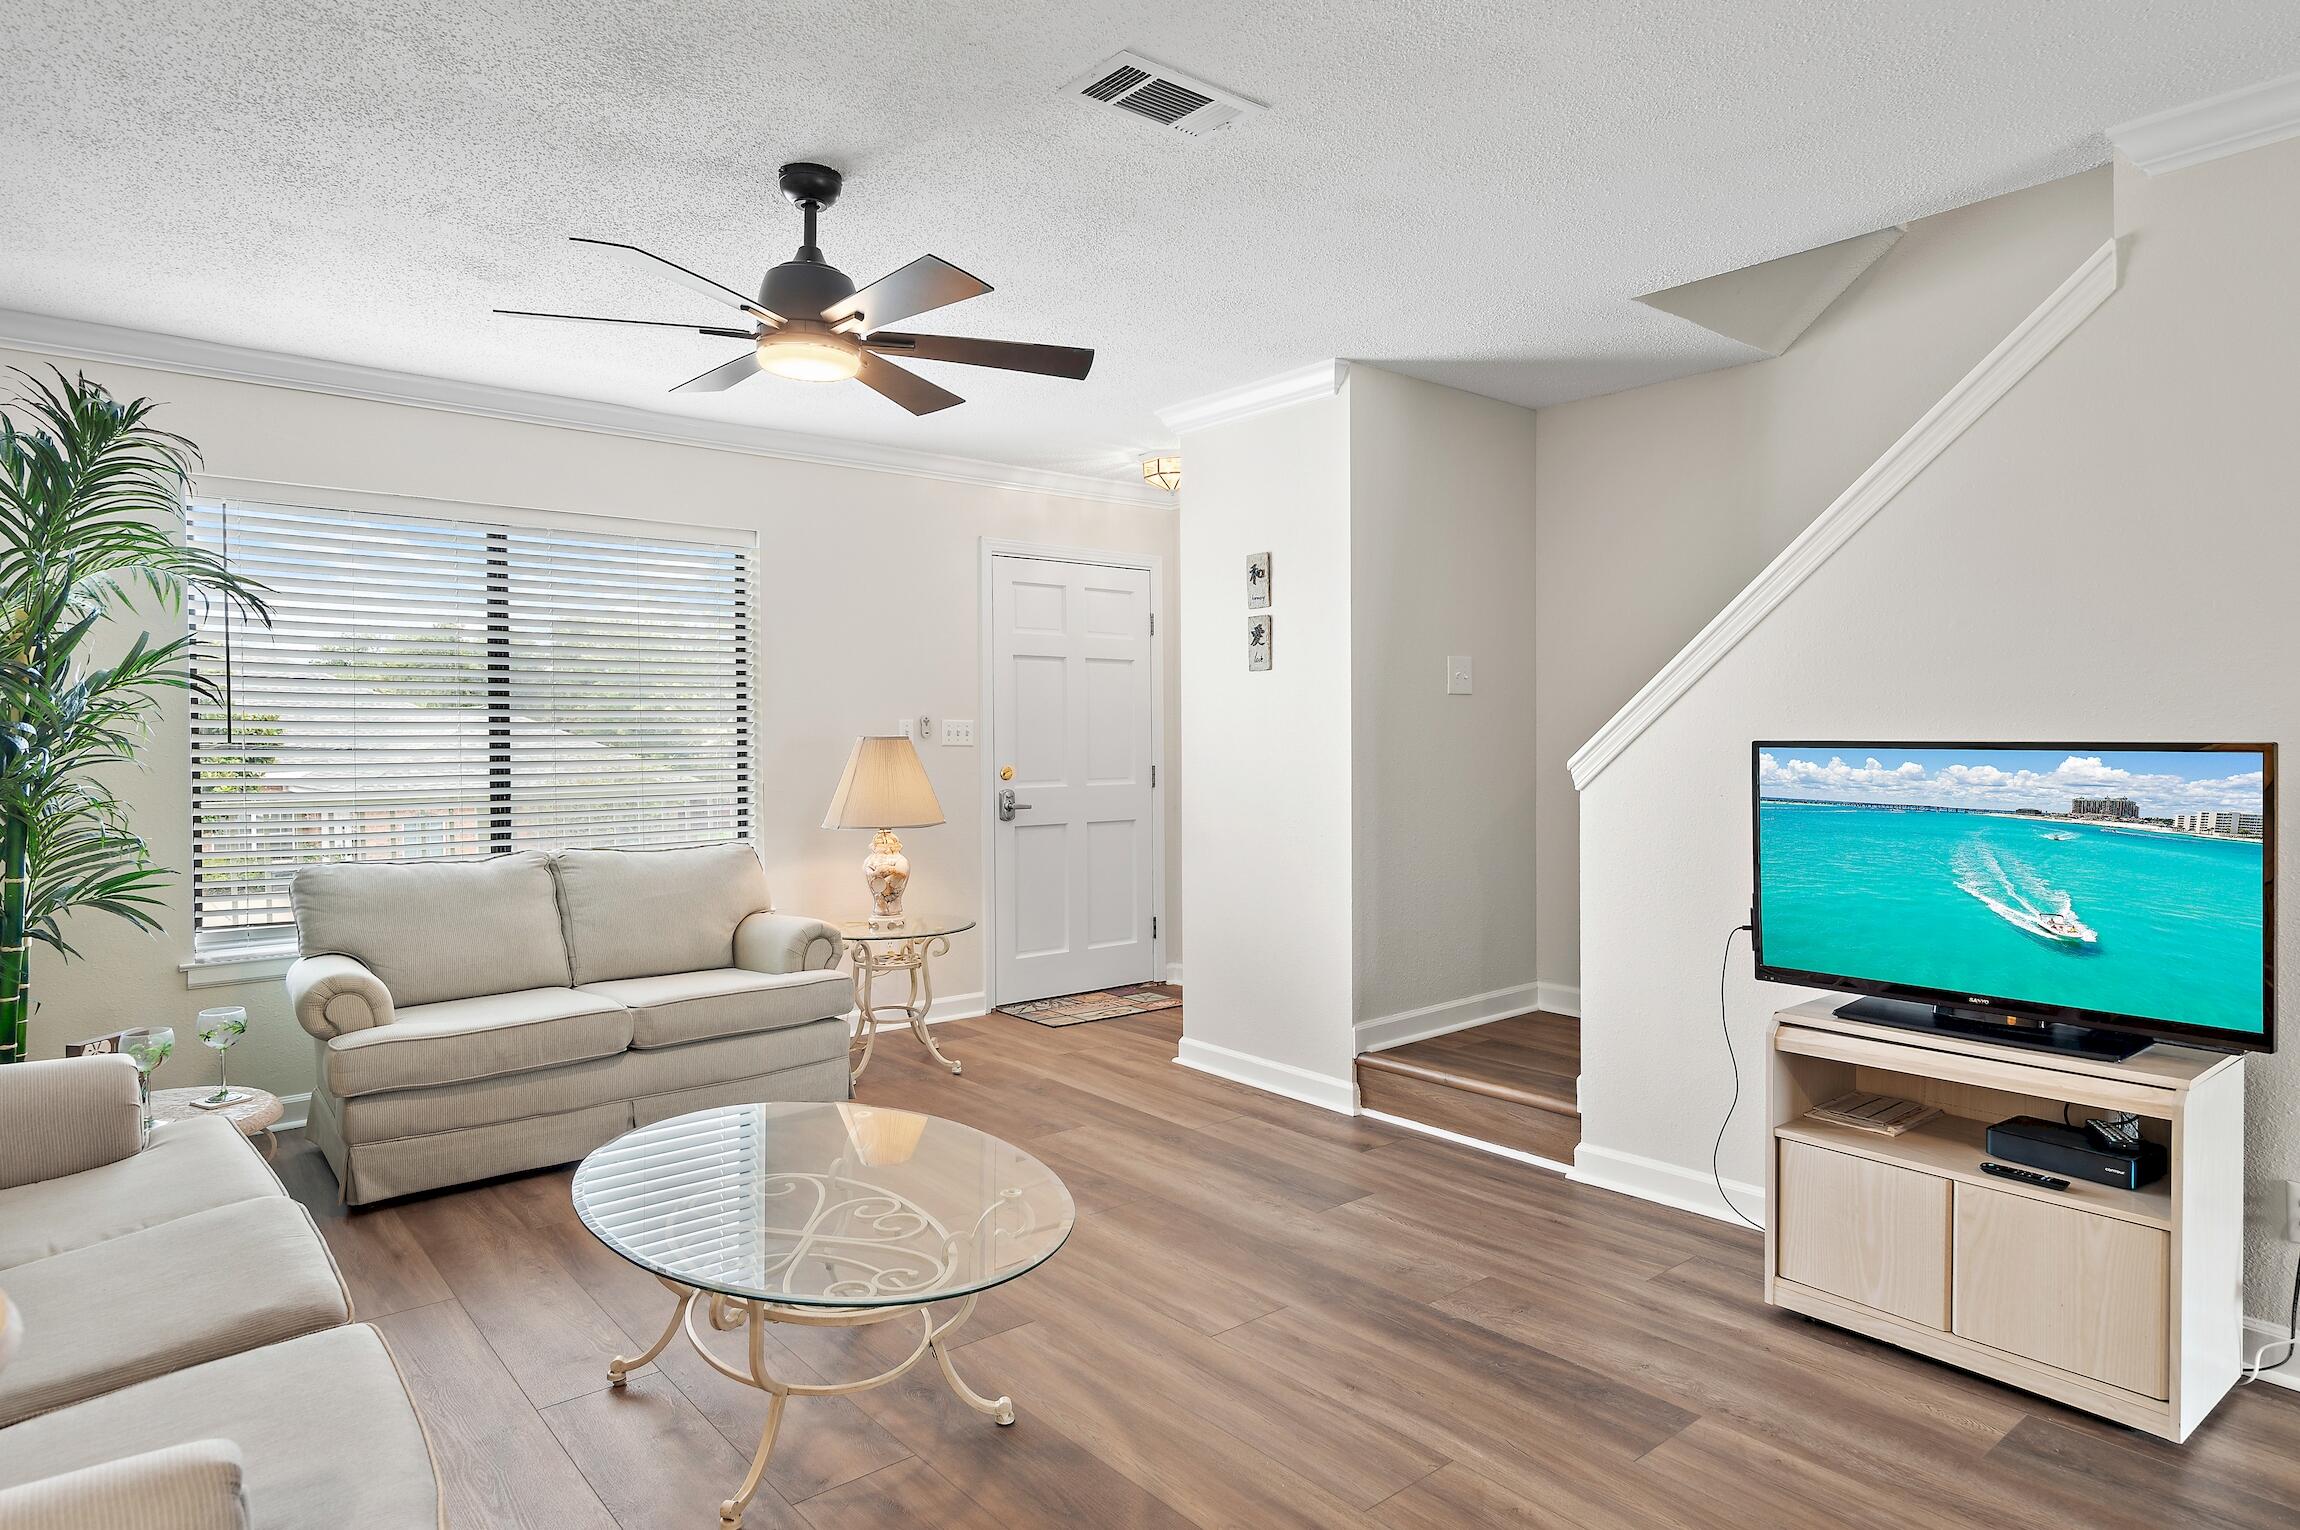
(2068, 1151)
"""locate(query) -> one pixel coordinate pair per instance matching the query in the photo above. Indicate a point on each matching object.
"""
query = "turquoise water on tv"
(1914, 898)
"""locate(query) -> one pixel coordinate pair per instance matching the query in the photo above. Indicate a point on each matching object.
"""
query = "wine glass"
(218, 1029)
(147, 1050)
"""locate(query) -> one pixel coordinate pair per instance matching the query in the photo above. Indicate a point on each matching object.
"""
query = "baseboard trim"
(295, 1112)
(1665, 1184)
(1460, 1139)
(2259, 1332)
(1271, 1077)
(1558, 998)
(1174, 973)
(1386, 1031)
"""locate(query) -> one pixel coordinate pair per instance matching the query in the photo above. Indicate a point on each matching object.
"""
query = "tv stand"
(2125, 1303)
(1988, 1025)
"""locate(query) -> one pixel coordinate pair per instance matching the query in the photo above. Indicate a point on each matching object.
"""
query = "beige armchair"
(480, 1017)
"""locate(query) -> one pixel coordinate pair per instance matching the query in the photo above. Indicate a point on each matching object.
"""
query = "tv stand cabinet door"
(1869, 1232)
(2077, 1291)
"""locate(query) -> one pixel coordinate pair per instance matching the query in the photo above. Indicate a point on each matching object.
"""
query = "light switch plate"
(1457, 674)
(958, 730)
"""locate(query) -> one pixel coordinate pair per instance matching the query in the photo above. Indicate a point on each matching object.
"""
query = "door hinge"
(1153, 624)
(1153, 775)
(1153, 926)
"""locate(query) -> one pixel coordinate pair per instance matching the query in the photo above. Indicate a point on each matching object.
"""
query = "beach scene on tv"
(2124, 881)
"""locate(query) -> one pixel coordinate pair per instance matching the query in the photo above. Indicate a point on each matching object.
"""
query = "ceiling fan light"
(809, 354)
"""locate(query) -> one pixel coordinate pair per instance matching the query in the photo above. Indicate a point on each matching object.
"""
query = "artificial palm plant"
(91, 516)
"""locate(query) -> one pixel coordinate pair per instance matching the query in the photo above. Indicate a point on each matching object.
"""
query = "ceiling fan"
(812, 323)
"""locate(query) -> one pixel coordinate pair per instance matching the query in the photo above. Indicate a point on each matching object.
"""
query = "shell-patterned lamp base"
(886, 871)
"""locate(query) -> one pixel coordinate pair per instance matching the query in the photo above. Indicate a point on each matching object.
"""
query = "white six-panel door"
(1073, 878)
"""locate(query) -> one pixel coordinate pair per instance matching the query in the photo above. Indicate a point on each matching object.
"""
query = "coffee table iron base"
(729, 1312)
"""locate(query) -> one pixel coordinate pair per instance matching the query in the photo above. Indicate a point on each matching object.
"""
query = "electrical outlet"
(958, 730)
(2292, 1211)
(904, 727)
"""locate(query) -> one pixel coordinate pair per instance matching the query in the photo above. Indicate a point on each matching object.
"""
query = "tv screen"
(2124, 886)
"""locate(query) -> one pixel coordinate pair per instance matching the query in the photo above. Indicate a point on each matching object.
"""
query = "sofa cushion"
(184, 1487)
(724, 1001)
(324, 1428)
(438, 930)
(243, 1275)
(189, 1167)
(641, 913)
(628, 1075)
(482, 1037)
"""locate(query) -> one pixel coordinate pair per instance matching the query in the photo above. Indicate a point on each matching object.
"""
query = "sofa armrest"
(769, 942)
(334, 994)
(67, 1115)
(197, 1486)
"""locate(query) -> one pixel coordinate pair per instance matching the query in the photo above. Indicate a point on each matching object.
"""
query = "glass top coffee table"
(827, 1215)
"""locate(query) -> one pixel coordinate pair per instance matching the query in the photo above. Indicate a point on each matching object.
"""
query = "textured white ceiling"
(1468, 192)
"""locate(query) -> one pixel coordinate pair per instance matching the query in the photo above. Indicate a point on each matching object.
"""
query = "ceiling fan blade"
(927, 282)
(1007, 355)
(722, 377)
(585, 318)
(648, 260)
(908, 389)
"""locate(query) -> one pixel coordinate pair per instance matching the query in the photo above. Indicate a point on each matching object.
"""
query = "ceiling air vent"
(1164, 96)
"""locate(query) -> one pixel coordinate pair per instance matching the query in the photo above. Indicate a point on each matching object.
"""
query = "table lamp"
(884, 789)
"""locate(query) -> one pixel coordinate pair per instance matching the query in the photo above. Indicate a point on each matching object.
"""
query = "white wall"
(867, 612)
(1355, 839)
(1266, 853)
(1656, 505)
(1442, 551)
(2077, 515)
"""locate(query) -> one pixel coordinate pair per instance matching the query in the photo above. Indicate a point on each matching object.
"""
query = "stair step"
(1511, 1082)
(1541, 1091)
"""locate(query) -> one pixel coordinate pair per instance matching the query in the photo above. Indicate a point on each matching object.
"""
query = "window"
(456, 688)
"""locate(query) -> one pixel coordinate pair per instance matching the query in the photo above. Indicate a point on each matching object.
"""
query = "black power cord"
(1717, 1148)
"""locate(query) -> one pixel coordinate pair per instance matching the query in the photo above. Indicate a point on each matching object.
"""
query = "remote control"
(2025, 1176)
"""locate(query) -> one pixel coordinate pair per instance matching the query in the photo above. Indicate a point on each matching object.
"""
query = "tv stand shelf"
(1952, 1148)
(2126, 1303)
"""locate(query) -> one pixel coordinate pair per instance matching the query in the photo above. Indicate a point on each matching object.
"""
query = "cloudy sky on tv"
(2162, 782)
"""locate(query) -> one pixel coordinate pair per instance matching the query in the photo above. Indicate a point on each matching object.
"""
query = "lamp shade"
(884, 787)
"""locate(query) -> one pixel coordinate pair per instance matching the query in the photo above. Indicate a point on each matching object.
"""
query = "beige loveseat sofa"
(181, 1360)
(487, 1016)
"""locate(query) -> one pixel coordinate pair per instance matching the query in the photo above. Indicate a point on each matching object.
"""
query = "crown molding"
(87, 341)
(1975, 393)
(2202, 130)
(1321, 379)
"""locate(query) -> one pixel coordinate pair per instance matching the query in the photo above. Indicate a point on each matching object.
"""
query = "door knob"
(1008, 807)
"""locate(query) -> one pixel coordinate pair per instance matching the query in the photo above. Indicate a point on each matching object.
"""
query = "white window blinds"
(456, 688)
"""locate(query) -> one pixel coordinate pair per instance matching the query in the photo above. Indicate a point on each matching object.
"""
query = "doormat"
(1102, 1004)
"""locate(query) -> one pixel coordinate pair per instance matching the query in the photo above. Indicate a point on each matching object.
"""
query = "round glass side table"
(909, 948)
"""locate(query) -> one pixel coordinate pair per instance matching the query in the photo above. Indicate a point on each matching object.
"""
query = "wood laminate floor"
(1269, 1315)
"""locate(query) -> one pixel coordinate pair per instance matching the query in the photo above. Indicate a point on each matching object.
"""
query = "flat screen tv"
(2088, 898)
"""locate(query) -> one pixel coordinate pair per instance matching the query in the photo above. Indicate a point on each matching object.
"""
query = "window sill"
(248, 967)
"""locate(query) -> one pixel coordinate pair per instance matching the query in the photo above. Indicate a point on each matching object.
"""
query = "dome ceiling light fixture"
(811, 323)
(1165, 472)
